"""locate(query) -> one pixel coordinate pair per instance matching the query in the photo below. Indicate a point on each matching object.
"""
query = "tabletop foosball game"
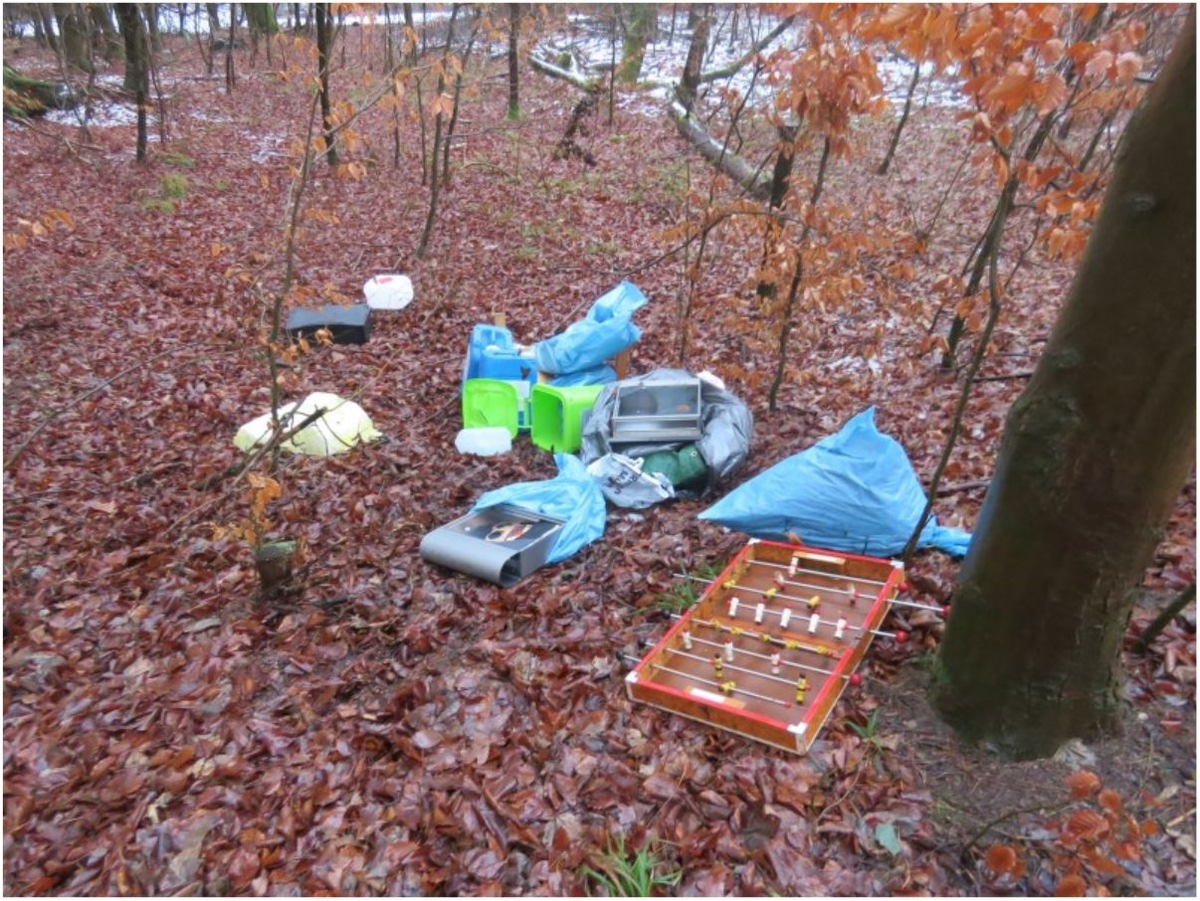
(771, 644)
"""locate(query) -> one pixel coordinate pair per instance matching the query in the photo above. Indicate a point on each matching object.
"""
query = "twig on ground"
(1005, 377)
(963, 486)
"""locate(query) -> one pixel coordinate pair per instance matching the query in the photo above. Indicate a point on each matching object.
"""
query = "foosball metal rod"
(749, 653)
(771, 638)
(817, 572)
(944, 610)
(800, 617)
(733, 666)
(717, 685)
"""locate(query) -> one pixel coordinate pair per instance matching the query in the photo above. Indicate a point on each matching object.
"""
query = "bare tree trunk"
(104, 32)
(43, 15)
(324, 47)
(732, 68)
(514, 83)
(230, 73)
(408, 20)
(73, 31)
(1093, 457)
(780, 182)
(391, 67)
(151, 13)
(891, 151)
(689, 82)
(642, 20)
(789, 307)
(994, 235)
(458, 82)
(136, 66)
(434, 181)
(785, 330)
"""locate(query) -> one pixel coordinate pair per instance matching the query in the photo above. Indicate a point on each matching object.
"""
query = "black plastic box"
(348, 325)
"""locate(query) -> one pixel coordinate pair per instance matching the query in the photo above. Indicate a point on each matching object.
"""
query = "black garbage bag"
(726, 429)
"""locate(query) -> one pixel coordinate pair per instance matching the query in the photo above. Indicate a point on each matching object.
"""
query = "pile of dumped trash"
(629, 441)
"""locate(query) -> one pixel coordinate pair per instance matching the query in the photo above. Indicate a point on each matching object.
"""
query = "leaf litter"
(397, 729)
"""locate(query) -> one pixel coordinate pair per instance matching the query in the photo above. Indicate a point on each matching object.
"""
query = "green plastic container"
(681, 467)
(558, 415)
(491, 402)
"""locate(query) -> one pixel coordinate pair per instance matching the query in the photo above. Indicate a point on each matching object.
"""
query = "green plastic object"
(558, 415)
(490, 402)
(680, 467)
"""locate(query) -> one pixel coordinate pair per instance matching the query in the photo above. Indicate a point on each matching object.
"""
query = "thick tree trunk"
(261, 18)
(151, 13)
(73, 30)
(712, 150)
(42, 12)
(137, 66)
(1094, 454)
(689, 82)
(105, 34)
(642, 20)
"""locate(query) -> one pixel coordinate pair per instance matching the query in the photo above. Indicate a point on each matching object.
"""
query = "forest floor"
(397, 728)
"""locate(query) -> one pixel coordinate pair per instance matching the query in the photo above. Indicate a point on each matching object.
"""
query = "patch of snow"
(107, 114)
(592, 50)
(268, 146)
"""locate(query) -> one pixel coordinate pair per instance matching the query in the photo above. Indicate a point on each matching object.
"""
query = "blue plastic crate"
(493, 354)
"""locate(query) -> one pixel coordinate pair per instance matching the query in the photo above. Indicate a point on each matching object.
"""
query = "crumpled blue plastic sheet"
(853, 491)
(605, 331)
(597, 375)
(571, 496)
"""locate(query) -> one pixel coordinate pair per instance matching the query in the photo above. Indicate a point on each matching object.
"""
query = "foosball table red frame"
(770, 646)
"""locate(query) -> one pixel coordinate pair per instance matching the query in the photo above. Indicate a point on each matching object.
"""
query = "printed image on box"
(516, 533)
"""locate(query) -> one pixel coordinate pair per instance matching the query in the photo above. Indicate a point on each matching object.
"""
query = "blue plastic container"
(492, 354)
(483, 337)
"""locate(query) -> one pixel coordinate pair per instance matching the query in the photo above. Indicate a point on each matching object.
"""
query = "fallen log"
(750, 178)
(731, 69)
(25, 96)
(548, 68)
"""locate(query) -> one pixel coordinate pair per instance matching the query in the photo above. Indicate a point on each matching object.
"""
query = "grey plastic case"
(502, 544)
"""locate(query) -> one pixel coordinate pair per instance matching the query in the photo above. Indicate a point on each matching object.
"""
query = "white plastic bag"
(623, 483)
(343, 425)
(388, 292)
(484, 441)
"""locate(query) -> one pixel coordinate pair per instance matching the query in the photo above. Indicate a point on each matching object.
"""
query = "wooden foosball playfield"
(770, 646)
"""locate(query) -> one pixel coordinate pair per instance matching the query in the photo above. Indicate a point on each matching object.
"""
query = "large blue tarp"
(853, 491)
(572, 496)
(605, 331)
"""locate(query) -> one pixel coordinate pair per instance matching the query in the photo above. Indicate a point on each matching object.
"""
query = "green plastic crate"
(491, 402)
(558, 415)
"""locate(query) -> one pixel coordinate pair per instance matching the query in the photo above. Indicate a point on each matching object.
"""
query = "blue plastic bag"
(606, 330)
(854, 491)
(597, 375)
(571, 496)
